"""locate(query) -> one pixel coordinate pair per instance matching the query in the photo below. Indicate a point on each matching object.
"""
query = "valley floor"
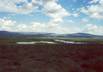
(51, 58)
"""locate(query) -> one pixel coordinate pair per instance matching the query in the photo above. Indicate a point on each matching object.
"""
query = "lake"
(35, 42)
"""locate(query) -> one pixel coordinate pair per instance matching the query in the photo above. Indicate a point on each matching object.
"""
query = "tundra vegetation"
(44, 57)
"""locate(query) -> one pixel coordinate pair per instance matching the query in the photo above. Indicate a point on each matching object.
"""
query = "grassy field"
(13, 40)
(59, 57)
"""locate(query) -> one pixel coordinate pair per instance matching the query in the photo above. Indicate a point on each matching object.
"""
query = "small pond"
(25, 42)
(71, 42)
(35, 42)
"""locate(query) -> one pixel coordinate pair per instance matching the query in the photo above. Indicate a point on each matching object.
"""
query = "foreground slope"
(51, 58)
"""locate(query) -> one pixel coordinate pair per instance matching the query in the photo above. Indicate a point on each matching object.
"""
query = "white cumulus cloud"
(85, 20)
(69, 21)
(54, 10)
(6, 24)
(93, 1)
(94, 11)
(93, 29)
(75, 14)
(49, 27)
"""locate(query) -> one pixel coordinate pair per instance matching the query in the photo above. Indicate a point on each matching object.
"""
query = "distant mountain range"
(37, 34)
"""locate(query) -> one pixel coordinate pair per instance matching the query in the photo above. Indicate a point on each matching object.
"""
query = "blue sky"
(52, 16)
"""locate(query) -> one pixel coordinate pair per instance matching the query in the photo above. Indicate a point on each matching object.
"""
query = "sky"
(52, 16)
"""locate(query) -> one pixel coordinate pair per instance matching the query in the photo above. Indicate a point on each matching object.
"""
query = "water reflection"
(35, 42)
(71, 42)
(25, 42)
(52, 42)
(48, 42)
